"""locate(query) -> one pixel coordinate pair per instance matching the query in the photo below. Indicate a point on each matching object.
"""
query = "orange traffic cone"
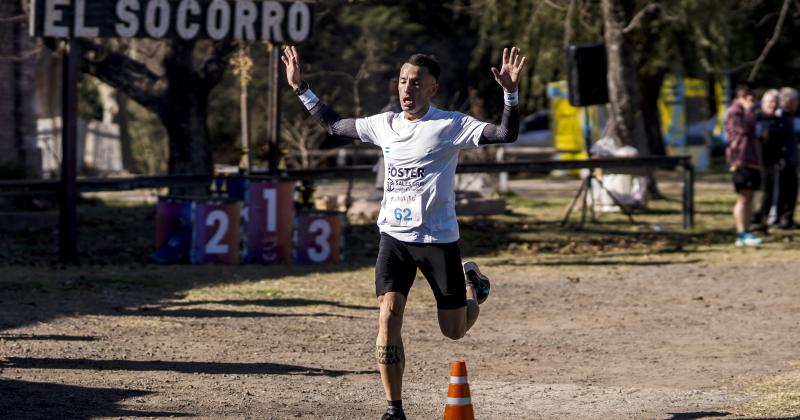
(459, 403)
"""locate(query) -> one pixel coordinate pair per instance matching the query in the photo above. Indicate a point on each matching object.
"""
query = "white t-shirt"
(420, 158)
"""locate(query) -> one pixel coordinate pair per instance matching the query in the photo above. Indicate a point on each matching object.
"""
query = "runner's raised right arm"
(330, 120)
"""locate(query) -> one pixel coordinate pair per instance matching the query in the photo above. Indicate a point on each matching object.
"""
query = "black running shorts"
(746, 178)
(397, 266)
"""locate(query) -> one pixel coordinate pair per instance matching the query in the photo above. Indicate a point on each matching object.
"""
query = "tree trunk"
(125, 141)
(169, 82)
(625, 118)
(184, 118)
(183, 113)
(651, 87)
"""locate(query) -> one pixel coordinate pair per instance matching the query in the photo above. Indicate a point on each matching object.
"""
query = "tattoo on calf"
(389, 355)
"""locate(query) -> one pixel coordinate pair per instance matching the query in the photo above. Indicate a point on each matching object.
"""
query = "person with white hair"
(787, 175)
(771, 132)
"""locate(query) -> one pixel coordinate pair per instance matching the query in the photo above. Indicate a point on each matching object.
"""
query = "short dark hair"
(744, 89)
(427, 61)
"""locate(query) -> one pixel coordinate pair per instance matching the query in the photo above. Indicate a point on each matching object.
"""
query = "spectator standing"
(787, 176)
(744, 159)
(773, 136)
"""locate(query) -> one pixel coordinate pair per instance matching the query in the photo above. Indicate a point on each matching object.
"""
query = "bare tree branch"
(556, 6)
(216, 62)
(129, 76)
(585, 16)
(775, 35)
(24, 55)
(637, 18)
(13, 19)
(569, 29)
(764, 19)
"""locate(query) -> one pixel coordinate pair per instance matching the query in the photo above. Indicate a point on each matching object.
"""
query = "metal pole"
(688, 196)
(245, 158)
(68, 200)
(275, 109)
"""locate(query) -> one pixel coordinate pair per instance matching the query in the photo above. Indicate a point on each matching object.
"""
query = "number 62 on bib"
(403, 209)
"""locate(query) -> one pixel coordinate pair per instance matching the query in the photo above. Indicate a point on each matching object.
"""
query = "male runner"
(417, 220)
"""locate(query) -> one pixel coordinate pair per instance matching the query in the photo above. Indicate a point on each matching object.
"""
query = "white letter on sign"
(244, 20)
(129, 22)
(81, 30)
(182, 27)
(53, 15)
(156, 18)
(299, 21)
(271, 18)
(321, 240)
(218, 19)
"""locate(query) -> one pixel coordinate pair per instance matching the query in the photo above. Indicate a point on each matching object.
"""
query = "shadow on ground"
(211, 368)
(711, 414)
(114, 242)
(116, 280)
(37, 400)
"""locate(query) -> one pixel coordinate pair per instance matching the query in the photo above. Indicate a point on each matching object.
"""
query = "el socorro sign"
(252, 20)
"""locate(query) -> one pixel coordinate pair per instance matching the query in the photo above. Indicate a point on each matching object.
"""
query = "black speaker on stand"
(587, 83)
(586, 79)
(586, 74)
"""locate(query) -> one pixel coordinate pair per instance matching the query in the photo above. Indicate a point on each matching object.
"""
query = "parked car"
(534, 131)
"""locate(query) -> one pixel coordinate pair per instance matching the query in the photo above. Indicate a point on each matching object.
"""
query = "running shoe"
(748, 239)
(394, 415)
(477, 280)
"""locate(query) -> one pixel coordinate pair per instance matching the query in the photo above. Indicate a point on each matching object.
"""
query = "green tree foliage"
(537, 28)
(356, 49)
(359, 45)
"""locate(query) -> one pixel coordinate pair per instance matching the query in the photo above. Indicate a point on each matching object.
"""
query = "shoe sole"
(471, 269)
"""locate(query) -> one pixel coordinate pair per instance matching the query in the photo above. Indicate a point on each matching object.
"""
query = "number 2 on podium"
(214, 246)
(271, 197)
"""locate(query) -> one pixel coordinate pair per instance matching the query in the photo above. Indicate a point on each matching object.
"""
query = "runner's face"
(415, 87)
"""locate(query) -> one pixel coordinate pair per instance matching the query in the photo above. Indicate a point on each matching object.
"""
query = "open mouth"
(408, 102)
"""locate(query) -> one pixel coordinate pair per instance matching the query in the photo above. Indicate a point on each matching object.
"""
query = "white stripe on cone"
(458, 401)
(458, 380)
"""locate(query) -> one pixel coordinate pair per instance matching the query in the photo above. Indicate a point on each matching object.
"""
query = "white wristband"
(511, 99)
(308, 99)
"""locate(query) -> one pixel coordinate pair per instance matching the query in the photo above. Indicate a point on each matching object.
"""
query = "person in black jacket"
(773, 134)
(787, 176)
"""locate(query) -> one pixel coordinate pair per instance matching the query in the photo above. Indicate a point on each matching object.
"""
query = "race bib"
(403, 209)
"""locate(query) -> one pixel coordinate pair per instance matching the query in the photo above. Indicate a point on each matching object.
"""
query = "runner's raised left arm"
(507, 77)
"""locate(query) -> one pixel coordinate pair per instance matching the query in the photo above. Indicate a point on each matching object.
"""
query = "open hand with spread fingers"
(508, 75)
(291, 60)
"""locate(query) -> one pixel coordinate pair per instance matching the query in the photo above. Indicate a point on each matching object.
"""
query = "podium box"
(215, 236)
(319, 237)
(270, 209)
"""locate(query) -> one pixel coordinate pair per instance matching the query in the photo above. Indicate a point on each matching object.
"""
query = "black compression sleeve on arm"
(506, 132)
(333, 123)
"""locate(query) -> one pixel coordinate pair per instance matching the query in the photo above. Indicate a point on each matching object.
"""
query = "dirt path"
(679, 338)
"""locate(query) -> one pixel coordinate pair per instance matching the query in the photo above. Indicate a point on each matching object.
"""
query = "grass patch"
(115, 233)
(773, 396)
